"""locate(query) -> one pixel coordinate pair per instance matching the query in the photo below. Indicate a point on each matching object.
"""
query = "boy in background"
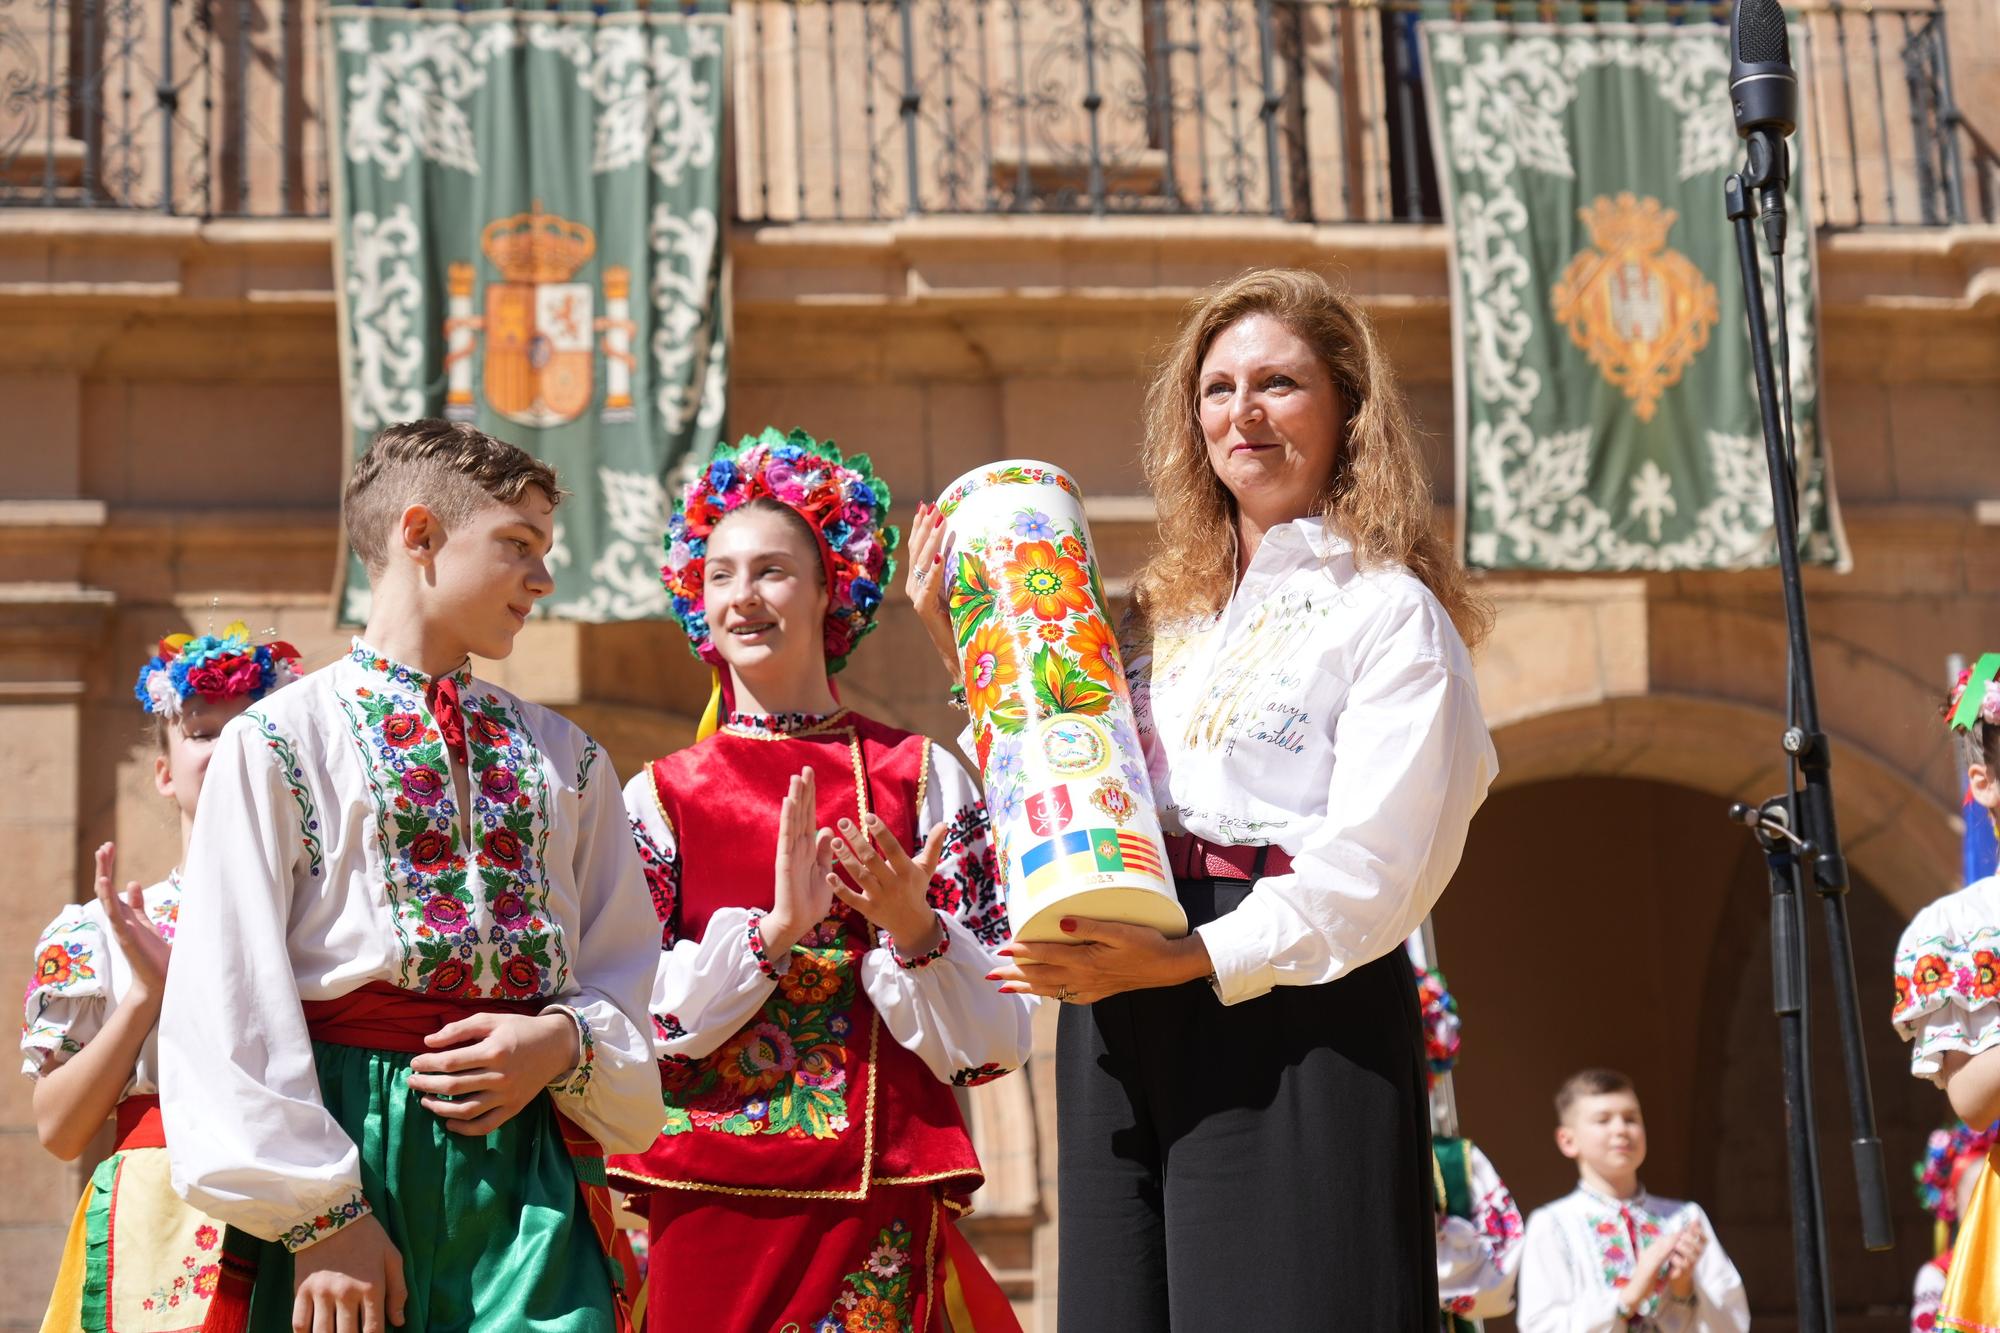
(1610, 1256)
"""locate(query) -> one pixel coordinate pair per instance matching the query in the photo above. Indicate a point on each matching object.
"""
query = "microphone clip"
(1767, 169)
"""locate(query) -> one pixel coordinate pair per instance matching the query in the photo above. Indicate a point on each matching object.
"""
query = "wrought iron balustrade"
(1308, 110)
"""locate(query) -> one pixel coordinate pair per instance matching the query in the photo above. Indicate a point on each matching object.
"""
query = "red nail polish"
(1068, 926)
(993, 976)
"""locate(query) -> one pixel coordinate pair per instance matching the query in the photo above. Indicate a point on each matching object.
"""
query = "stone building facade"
(170, 439)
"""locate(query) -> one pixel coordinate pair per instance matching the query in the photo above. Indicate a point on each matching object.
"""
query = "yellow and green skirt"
(138, 1259)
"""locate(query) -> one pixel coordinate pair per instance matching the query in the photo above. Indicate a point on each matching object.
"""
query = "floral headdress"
(1976, 697)
(842, 500)
(1440, 1015)
(1950, 1151)
(217, 667)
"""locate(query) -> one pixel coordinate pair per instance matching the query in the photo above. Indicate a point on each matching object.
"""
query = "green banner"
(529, 205)
(1606, 414)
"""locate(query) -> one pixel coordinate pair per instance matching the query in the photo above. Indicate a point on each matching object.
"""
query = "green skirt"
(493, 1234)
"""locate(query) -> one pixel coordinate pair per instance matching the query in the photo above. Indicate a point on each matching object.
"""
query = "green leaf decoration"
(972, 598)
(1062, 686)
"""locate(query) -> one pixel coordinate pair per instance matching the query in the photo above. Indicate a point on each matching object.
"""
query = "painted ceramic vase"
(1074, 828)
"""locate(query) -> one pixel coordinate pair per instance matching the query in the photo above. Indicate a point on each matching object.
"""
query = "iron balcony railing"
(1309, 110)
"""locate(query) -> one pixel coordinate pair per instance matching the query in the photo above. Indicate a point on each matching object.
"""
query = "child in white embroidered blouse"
(90, 1034)
(1611, 1256)
(421, 950)
(1948, 1001)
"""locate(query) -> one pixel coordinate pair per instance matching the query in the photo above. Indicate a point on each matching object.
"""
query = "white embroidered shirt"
(1580, 1250)
(1329, 711)
(330, 852)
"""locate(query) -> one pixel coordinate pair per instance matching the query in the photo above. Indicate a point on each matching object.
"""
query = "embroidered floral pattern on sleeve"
(967, 882)
(754, 941)
(588, 762)
(67, 967)
(880, 1296)
(663, 880)
(973, 1077)
(328, 1222)
(1499, 1221)
(1943, 982)
(295, 781)
(577, 1081)
(785, 1073)
(478, 928)
(937, 951)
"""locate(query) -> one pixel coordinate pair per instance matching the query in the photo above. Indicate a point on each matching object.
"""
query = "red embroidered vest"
(813, 1098)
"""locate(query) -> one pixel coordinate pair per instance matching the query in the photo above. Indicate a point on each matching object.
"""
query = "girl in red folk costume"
(828, 895)
(138, 1260)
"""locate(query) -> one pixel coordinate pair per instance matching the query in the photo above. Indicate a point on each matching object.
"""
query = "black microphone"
(1764, 97)
(1763, 89)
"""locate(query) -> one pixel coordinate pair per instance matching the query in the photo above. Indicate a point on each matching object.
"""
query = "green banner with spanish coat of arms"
(1606, 414)
(529, 204)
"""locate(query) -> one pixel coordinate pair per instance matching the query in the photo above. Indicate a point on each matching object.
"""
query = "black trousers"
(1261, 1166)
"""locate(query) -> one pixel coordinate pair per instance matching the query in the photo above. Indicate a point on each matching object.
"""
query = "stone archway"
(1893, 830)
(1607, 912)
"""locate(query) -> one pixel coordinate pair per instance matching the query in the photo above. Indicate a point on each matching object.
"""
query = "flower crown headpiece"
(841, 499)
(1440, 1017)
(1950, 1150)
(217, 667)
(1976, 697)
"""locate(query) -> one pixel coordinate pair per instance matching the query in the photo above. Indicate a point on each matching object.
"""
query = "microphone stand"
(1796, 828)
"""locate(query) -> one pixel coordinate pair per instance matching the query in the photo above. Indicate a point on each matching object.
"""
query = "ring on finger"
(1065, 995)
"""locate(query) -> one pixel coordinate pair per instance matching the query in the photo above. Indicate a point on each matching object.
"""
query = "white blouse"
(1331, 712)
(81, 975)
(1582, 1245)
(330, 852)
(1948, 978)
(1927, 1296)
(1479, 1257)
(941, 1007)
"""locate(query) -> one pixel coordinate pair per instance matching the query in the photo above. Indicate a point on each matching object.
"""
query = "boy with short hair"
(408, 1008)
(1611, 1256)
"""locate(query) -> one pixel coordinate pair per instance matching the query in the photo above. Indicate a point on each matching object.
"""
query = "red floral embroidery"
(1933, 973)
(504, 847)
(403, 730)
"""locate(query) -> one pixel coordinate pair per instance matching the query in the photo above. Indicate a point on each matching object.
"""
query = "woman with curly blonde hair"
(1242, 1119)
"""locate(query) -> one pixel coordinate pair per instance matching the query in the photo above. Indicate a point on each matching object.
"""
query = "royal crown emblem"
(540, 367)
(1640, 311)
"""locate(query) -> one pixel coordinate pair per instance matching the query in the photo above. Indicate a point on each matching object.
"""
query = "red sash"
(383, 1017)
(139, 1123)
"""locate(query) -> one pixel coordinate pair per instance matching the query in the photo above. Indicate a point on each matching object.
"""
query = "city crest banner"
(529, 210)
(1606, 416)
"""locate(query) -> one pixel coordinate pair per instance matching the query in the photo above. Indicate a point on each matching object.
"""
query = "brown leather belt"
(1196, 858)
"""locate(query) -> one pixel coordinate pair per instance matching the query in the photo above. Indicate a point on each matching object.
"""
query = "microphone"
(1763, 89)
(1764, 97)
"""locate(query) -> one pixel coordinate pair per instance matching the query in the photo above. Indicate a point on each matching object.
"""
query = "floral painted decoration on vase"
(842, 500)
(216, 667)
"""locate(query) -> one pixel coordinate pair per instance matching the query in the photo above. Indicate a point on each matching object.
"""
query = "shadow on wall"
(1626, 923)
